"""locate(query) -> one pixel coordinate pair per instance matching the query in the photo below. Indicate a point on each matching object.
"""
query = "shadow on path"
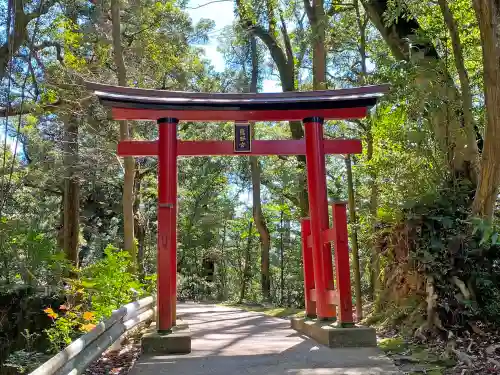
(231, 341)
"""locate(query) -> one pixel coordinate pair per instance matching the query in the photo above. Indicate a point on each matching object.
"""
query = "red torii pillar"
(167, 223)
(321, 298)
(318, 213)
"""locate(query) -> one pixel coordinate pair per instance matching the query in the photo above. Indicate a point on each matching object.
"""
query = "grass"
(392, 345)
(418, 355)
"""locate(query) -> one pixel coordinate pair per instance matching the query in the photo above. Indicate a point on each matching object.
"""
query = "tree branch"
(47, 44)
(334, 8)
(277, 54)
(309, 10)
(208, 3)
(26, 108)
(19, 35)
(286, 39)
(37, 186)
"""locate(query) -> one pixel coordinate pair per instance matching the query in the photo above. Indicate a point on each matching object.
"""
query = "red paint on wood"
(167, 223)
(137, 148)
(206, 148)
(307, 265)
(328, 235)
(342, 262)
(332, 296)
(237, 115)
(318, 213)
(312, 295)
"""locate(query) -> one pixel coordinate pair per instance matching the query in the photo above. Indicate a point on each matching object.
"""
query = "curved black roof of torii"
(136, 103)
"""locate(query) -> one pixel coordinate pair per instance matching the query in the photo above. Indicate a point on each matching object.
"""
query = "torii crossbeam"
(312, 108)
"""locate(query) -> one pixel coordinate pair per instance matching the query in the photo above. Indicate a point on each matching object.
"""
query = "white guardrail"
(78, 355)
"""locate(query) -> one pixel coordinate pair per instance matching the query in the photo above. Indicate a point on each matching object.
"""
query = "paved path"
(235, 342)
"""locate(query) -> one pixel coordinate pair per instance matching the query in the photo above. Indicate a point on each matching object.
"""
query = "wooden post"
(343, 275)
(307, 263)
(167, 223)
(318, 212)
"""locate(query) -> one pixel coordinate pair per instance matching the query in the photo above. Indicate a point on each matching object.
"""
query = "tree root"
(463, 288)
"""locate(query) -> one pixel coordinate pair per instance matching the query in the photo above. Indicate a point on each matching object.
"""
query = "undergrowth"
(91, 296)
(439, 264)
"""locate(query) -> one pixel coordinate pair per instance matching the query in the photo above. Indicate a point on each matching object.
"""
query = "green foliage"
(460, 255)
(105, 290)
(194, 288)
(63, 331)
(26, 253)
(24, 361)
(392, 345)
(99, 289)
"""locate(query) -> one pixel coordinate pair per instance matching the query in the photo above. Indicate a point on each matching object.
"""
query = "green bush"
(453, 249)
(26, 360)
(194, 287)
(92, 296)
(109, 283)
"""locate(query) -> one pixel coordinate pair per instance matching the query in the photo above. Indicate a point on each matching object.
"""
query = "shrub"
(92, 296)
(25, 360)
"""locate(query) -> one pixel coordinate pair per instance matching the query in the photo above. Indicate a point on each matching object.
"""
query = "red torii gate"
(312, 107)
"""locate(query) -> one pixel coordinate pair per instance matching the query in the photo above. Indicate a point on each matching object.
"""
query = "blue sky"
(223, 14)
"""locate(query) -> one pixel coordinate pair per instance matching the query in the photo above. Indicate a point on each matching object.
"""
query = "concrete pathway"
(235, 342)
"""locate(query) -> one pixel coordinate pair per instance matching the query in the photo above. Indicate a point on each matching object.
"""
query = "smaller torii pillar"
(321, 298)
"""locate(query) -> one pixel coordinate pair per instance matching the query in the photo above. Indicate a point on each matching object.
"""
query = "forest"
(78, 224)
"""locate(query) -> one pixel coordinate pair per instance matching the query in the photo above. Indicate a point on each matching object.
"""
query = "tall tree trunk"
(71, 228)
(362, 25)
(374, 255)
(317, 19)
(129, 163)
(222, 271)
(282, 256)
(469, 123)
(139, 223)
(258, 216)
(404, 39)
(260, 223)
(362, 21)
(488, 16)
(354, 238)
(247, 266)
(286, 245)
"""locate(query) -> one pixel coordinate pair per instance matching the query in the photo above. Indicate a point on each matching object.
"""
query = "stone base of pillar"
(178, 341)
(334, 335)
